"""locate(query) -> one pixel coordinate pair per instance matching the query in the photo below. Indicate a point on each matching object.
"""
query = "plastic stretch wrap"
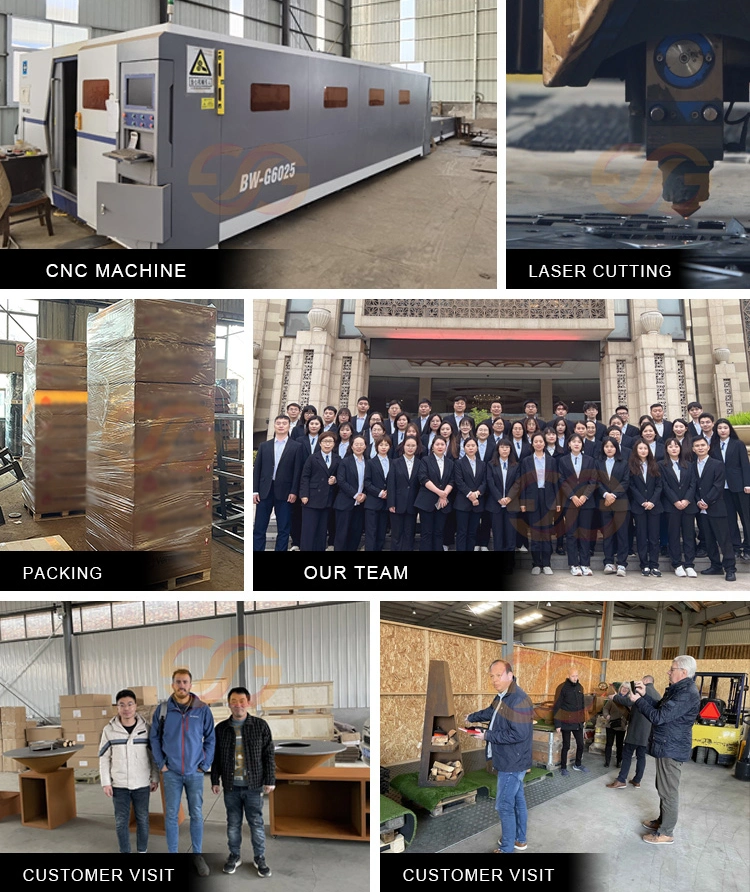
(154, 320)
(54, 426)
(150, 442)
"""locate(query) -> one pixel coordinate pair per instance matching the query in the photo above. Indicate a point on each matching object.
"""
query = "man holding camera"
(671, 740)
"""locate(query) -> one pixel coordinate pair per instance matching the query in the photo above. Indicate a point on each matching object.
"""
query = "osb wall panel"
(401, 721)
(625, 670)
(403, 659)
(405, 653)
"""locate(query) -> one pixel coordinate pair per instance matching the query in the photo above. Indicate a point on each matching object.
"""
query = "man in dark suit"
(496, 411)
(695, 410)
(560, 410)
(459, 409)
(628, 430)
(709, 493)
(663, 427)
(530, 410)
(276, 475)
(424, 411)
(389, 423)
(732, 452)
(590, 412)
(360, 422)
(294, 411)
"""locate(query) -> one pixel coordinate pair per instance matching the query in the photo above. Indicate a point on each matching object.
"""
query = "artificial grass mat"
(390, 809)
(429, 797)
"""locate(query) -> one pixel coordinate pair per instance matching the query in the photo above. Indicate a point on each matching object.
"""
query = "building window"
(407, 31)
(377, 97)
(269, 97)
(335, 97)
(296, 317)
(62, 10)
(403, 97)
(236, 18)
(621, 331)
(674, 318)
(18, 319)
(27, 36)
(347, 329)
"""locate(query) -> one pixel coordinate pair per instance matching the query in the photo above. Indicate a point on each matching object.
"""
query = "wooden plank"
(569, 27)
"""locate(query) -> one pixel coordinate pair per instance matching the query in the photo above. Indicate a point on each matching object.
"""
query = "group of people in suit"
(528, 484)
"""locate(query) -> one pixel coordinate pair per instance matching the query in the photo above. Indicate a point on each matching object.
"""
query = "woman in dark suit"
(412, 430)
(376, 508)
(350, 499)
(499, 430)
(562, 432)
(346, 432)
(578, 482)
(678, 476)
(503, 489)
(471, 486)
(377, 432)
(433, 429)
(727, 447)
(485, 451)
(539, 503)
(317, 492)
(644, 493)
(402, 487)
(313, 430)
(521, 446)
(433, 500)
(651, 436)
(614, 481)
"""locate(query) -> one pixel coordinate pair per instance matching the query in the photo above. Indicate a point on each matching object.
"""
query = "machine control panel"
(138, 120)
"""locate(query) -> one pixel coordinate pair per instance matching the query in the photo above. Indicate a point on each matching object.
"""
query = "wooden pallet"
(54, 515)
(454, 803)
(318, 710)
(177, 582)
(87, 775)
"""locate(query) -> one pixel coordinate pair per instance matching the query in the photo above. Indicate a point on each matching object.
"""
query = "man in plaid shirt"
(245, 764)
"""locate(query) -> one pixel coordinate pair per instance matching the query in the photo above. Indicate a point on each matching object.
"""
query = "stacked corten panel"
(54, 426)
(150, 431)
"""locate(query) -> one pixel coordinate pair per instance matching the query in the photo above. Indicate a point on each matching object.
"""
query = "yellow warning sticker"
(208, 102)
(200, 69)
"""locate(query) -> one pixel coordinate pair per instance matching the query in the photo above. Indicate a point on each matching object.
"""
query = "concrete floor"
(296, 863)
(227, 566)
(428, 223)
(606, 181)
(712, 840)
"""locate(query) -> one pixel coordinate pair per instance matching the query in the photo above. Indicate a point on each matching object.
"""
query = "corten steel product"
(150, 432)
(301, 756)
(169, 137)
(681, 61)
(54, 426)
(43, 761)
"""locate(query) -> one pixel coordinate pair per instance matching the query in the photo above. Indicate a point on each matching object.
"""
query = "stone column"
(656, 366)
(726, 384)
(545, 396)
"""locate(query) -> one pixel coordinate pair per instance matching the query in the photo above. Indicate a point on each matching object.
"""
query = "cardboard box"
(153, 319)
(87, 738)
(145, 696)
(91, 726)
(93, 700)
(46, 543)
(68, 700)
(78, 761)
(86, 713)
(11, 766)
(12, 743)
(13, 715)
(46, 732)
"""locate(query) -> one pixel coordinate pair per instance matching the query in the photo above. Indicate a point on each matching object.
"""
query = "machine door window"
(404, 97)
(269, 97)
(335, 97)
(377, 97)
(95, 94)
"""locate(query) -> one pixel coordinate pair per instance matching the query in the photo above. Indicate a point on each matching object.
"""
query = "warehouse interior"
(130, 440)
(306, 665)
(447, 646)
(427, 222)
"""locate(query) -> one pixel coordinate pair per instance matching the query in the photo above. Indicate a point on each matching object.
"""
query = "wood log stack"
(446, 771)
(443, 738)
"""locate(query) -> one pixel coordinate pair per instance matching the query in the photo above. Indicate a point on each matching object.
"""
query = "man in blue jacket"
(183, 742)
(671, 740)
(509, 746)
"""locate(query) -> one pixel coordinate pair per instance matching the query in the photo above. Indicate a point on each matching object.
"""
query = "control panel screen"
(139, 91)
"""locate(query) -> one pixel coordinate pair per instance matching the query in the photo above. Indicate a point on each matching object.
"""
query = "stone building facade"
(614, 351)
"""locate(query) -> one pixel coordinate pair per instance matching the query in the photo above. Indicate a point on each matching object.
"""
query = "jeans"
(236, 801)
(193, 786)
(640, 762)
(122, 798)
(510, 804)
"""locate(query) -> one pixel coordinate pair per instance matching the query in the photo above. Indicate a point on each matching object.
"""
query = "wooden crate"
(295, 697)
(318, 726)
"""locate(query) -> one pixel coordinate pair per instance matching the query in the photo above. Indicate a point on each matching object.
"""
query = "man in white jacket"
(128, 771)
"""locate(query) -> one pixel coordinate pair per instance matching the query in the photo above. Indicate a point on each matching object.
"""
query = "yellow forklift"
(717, 732)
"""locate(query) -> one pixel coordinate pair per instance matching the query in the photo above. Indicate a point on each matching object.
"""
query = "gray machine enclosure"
(209, 176)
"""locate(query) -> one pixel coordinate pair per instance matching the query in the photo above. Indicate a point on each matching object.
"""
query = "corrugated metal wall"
(445, 37)
(326, 643)
(582, 634)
